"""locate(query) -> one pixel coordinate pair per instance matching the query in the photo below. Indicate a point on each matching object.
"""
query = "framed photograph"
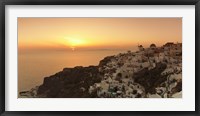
(138, 57)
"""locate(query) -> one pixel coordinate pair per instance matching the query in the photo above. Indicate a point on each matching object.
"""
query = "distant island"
(153, 72)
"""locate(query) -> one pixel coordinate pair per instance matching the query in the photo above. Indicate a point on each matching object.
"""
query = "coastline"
(154, 72)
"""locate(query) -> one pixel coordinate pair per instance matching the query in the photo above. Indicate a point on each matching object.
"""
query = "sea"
(34, 66)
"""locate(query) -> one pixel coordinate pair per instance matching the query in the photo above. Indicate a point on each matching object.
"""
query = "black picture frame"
(99, 2)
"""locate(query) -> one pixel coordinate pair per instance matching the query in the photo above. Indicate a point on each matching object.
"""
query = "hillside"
(150, 72)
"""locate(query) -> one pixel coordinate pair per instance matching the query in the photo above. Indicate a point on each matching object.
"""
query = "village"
(118, 73)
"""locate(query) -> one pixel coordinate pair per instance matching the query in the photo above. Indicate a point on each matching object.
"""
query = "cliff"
(70, 83)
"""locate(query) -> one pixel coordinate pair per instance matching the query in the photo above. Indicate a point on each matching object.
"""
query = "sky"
(38, 34)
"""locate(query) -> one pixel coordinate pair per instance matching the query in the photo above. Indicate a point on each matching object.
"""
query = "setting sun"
(74, 42)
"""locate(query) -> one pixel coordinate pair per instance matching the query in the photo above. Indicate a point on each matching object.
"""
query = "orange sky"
(96, 33)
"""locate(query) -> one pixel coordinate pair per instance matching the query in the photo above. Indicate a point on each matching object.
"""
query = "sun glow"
(73, 42)
(76, 42)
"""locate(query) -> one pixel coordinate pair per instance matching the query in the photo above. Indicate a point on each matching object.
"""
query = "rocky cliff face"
(70, 83)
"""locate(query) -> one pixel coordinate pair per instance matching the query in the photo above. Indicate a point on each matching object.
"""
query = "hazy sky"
(96, 33)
